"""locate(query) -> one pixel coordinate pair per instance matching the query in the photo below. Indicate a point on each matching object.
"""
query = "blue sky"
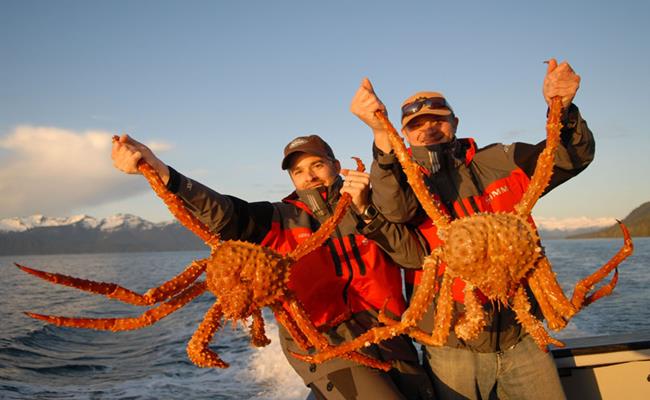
(218, 89)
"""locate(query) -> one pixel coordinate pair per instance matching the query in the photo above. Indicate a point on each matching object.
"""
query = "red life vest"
(499, 195)
(346, 275)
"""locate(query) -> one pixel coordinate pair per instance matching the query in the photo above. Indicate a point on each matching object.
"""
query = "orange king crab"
(496, 253)
(243, 276)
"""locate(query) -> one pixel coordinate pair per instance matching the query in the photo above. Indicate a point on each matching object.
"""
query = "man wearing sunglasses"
(503, 360)
(341, 285)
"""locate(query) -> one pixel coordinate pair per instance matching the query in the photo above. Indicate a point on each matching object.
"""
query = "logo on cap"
(297, 142)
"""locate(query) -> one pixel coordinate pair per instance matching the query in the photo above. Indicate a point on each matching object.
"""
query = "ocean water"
(40, 361)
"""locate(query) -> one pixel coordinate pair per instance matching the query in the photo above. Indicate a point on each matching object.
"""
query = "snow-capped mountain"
(38, 234)
(556, 228)
(21, 224)
(119, 221)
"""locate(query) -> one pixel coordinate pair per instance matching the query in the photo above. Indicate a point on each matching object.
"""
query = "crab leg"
(606, 290)
(283, 317)
(175, 205)
(414, 332)
(468, 328)
(125, 324)
(297, 312)
(197, 348)
(585, 285)
(543, 295)
(258, 337)
(347, 350)
(443, 317)
(323, 346)
(544, 168)
(443, 323)
(117, 292)
(419, 304)
(533, 326)
(326, 229)
(414, 175)
(425, 291)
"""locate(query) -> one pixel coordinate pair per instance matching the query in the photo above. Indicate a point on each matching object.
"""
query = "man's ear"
(454, 123)
(337, 166)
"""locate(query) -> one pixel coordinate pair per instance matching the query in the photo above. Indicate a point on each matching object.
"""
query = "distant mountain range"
(555, 228)
(38, 234)
(638, 222)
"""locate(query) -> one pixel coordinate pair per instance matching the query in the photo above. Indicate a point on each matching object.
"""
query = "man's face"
(430, 129)
(308, 171)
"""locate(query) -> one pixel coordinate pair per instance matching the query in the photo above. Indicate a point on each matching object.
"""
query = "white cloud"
(47, 170)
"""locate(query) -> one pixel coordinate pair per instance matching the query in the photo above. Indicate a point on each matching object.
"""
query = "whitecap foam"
(270, 369)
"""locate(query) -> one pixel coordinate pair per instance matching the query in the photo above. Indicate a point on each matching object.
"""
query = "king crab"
(494, 253)
(243, 276)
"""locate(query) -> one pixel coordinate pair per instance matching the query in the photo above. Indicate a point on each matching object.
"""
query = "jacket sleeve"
(401, 242)
(574, 154)
(229, 216)
(391, 192)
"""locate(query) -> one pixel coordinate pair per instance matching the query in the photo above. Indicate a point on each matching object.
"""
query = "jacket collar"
(317, 202)
(436, 157)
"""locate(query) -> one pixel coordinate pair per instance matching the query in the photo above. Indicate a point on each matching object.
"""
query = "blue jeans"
(521, 372)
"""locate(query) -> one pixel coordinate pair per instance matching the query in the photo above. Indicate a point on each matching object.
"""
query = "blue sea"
(40, 361)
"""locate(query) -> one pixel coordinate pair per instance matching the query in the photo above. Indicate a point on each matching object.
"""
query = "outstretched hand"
(560, 80)
(127, 152)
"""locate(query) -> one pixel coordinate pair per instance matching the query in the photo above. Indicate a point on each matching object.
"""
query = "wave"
(44, 361)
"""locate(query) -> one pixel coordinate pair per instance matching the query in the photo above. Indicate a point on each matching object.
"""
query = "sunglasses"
(433, 103)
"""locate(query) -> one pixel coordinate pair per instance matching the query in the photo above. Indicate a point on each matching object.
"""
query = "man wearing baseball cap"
(312, 144)
(342, 284)
(503, 361)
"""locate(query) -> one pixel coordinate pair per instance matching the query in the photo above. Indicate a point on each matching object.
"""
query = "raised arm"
(230, 217)
(402, 243)
(364, 105)
(390, 194)
(577, 145)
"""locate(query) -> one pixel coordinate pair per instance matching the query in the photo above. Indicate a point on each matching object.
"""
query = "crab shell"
(244, 275)
(494, 252)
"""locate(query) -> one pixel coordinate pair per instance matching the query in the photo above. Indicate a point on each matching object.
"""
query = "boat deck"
(605, 367)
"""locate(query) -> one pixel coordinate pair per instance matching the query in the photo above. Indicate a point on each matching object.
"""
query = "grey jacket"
(470, 180)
